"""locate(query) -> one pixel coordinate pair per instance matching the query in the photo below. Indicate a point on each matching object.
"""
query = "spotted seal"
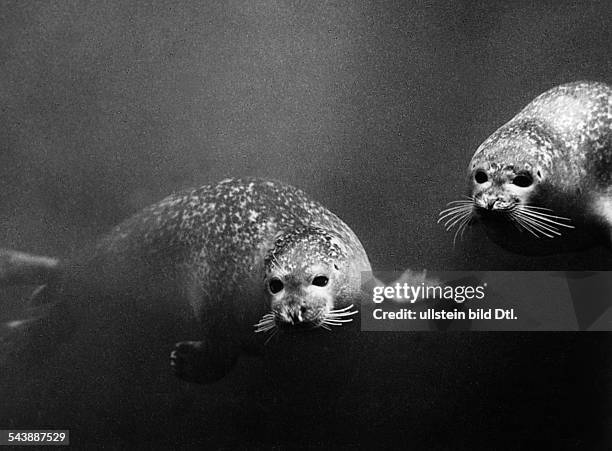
(542, 183)
(243, 258)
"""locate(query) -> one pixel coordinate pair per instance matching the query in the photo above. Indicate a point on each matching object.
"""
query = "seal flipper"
(203, 361)
(20, 268)
(26, 341)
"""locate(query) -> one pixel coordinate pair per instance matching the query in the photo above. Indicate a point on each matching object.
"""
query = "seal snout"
(301, 298)
(294, 310)
(493, 203)
(299, 308)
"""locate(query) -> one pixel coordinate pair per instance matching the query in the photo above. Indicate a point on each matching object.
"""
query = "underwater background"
(374, 109)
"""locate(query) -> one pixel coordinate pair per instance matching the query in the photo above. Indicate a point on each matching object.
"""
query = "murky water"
(374, 108)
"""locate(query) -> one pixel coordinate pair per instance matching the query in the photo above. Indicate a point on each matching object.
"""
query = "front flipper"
(19, 268)
(202, 362)
(27, 341)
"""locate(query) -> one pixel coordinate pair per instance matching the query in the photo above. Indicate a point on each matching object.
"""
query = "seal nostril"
(295, 317)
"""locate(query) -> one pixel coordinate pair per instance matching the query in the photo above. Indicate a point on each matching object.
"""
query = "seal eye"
(275, 285)
(481, 177)
(522, 180)
(320, 281)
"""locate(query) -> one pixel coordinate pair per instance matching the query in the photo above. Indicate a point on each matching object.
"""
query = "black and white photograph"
(290, 224)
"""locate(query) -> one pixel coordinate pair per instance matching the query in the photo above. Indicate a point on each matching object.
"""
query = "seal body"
(233, 263)
(542, 183)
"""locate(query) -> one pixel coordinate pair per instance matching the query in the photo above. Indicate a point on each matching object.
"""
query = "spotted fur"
(565, 132)
(222, 234)
(546, 173)
(204, 254)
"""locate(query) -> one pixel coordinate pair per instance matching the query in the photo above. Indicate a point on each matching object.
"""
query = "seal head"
(537, 182)
(309, 281)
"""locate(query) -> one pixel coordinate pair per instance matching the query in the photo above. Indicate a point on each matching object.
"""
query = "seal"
(241, 259)
(542, 183)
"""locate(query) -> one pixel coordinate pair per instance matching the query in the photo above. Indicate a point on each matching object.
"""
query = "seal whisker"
(519, 221)
(331, 323)
(450, 214)
(457, 219)
(334, 314)
(449, 218)
(460, 202)
(545, 223)
(525, 208)
(339, 316)
(324, 326)
(265, 329)
(335, 320)
(534, 228)
(515, 223)
(271, 336)
(444, 214)
(461, 227)
(345, 309)
(267, 322)
(547, 217)
(546, 231)
(528, 228)
(455, 208)
(462, 224)
(542, 225)
(264, 321)
(533, 207)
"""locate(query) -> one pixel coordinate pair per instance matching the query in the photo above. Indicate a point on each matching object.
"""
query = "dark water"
(374, 108)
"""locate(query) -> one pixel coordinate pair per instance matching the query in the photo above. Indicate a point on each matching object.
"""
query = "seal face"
(542, 182)
(309, 280)
(238, 261)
